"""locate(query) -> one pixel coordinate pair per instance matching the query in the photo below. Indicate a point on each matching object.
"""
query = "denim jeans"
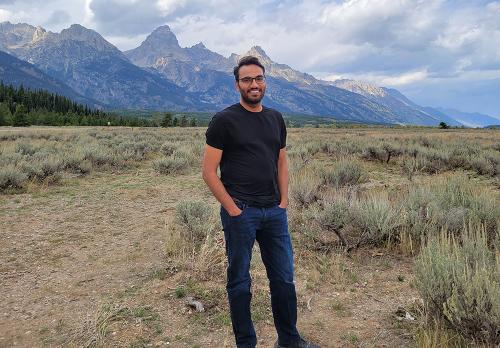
(269, 226)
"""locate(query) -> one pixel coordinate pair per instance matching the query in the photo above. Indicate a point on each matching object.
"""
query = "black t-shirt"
(251, 142)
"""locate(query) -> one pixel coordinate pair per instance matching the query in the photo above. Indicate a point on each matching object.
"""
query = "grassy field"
(107, 233)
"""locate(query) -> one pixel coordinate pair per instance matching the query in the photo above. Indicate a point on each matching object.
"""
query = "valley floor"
(74, 254)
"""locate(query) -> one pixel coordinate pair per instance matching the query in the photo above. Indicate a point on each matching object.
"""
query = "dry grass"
(111, 226)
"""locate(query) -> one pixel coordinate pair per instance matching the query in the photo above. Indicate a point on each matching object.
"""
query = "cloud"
(58, 17)
(395, 42)
(53, 15)
(125, 18)
(4, 15)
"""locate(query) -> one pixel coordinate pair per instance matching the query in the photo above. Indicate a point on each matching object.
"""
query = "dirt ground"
(82, 263)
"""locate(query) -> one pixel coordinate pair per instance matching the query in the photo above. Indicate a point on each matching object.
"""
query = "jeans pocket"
(242, 206)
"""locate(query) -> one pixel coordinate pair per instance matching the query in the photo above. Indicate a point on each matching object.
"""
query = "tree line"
(21, 107)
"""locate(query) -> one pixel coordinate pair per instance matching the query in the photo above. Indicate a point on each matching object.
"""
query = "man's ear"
(236, 86)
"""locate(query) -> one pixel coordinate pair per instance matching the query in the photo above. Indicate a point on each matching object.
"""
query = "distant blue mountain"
(470, 119)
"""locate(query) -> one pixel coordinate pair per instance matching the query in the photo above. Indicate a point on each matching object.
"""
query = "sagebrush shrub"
(435, 161)
(331, 217)
(373, 153)
(168, 148)
(100, 156)
(12, 158)
(375, 218)
(171, 165)
(25, 149)
(459, 280)
(346, 172)
(75, 163)
(482, 166)
(195, 216)
(450, 202)
(11, 177)
(304, 188)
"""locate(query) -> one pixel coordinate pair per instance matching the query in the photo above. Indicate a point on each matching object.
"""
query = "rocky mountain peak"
(77, 32)
(360, 87)
(14, 36)
(163, 37)
(162, 42)
(258, 52)
(39, 34)
(199, 46)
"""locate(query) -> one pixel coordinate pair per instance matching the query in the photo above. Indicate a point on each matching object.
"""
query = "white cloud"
(381, 79)
(169, 6)
(404, 79)
(4, 15)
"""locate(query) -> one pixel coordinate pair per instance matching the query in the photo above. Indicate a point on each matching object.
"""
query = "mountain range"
(162, 75)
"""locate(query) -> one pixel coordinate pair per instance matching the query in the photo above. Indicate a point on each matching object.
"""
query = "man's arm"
(211, 160)
(283, 178)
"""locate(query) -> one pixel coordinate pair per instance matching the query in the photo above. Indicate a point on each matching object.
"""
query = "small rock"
(191, 302)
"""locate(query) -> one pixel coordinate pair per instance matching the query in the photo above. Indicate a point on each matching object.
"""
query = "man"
(248, 141)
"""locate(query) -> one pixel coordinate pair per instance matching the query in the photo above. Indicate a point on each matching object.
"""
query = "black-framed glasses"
(260, 79)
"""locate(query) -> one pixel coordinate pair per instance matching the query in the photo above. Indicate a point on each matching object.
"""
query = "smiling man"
(247, 140)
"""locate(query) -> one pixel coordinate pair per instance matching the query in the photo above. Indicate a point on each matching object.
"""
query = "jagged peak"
(360, 87)
(258, 52)
(162, 28)
(16, 24)
(77, 32)
(76, 28)
(161, 36)
(199, 45)
(39, 34)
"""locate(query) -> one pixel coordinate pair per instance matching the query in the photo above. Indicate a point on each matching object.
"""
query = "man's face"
(253, 92)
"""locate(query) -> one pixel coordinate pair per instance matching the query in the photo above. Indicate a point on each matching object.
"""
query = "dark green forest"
(22, 107)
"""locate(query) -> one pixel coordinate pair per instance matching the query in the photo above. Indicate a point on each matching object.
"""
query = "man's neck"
(251, 107)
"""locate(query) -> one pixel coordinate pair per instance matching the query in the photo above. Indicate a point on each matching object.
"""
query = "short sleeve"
(216, 133)
(282, 132)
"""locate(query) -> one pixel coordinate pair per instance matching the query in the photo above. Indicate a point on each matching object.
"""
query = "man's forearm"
(219, 191)
(283, 183)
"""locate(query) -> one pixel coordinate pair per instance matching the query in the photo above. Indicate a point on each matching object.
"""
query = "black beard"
(251, 101)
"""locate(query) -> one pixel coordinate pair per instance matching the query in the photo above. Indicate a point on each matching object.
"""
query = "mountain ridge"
(18, 72)
(159, 74)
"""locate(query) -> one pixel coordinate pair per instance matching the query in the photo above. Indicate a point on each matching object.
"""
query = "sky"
(437, 52)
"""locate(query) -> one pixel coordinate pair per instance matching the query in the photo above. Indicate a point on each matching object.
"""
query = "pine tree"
(192, 123)
(183, 121)
(20, 118)
(5, 114)
(166, 121)
(443, 125)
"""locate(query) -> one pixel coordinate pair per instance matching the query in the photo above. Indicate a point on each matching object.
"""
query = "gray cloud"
(58, 17)
(119, 18)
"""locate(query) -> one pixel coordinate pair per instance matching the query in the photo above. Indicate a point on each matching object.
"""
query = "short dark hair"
(247, 60)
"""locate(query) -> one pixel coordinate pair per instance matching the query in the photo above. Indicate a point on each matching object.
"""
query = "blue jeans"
(269, 226)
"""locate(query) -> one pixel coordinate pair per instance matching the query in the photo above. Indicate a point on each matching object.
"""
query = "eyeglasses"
(260, 79)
